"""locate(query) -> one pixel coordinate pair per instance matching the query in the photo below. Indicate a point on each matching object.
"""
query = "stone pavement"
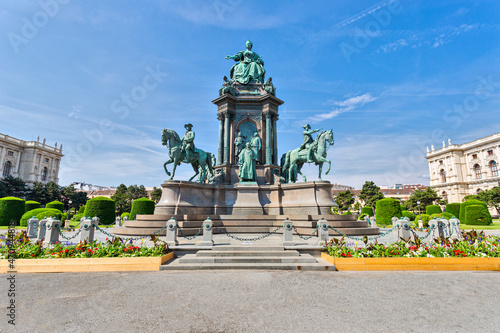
(256, 301)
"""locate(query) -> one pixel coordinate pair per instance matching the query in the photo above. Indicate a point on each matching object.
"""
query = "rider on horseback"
(308, 140)
(187, 142)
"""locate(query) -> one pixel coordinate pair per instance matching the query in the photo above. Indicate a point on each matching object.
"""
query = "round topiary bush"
(347, 213)
(56, 205)
(142, 206)
(447, 215)
(463, 205)
(425, 219)
(55, 213)
(127, 214)
(433, 209)
(11, 209)
(454, 209)
(386, 209)
(81, 210)
(367, 210)
(77, 217)
(362, 217)
(408, 214)
(477, 215)
(103, 208)
(34, 212)
(30, 205)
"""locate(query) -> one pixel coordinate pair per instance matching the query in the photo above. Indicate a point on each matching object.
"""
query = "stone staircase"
(248, 257)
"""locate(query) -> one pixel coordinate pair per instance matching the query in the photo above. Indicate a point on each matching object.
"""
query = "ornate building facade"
(32, 161)
(460, 170)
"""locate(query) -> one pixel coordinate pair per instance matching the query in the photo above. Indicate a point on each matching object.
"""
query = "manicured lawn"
(6, 227)
(494, 226)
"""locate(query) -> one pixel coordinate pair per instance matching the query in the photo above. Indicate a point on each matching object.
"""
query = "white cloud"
(342, 106)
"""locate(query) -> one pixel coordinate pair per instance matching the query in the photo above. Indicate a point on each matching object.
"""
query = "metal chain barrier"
(248, 239)
(308, 237)
(67, 238)
(361, 238)
(426, 236)
(131, 238)
(190, 237)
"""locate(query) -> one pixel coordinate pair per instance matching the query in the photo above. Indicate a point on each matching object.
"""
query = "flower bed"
(113, 255)
(474, 252)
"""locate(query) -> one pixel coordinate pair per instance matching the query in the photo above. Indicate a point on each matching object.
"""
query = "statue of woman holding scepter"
(250, 66)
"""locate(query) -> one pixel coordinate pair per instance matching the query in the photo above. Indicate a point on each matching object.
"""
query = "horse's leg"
(299, 171)
(320, 169)
(195, 168)
(165, 166)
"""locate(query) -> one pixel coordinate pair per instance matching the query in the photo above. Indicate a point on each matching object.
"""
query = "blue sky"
(389, 78)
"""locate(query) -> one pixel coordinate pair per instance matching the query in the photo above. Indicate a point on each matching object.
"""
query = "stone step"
(248, 248)
(325, 266)
(249, 253)
(193, 259)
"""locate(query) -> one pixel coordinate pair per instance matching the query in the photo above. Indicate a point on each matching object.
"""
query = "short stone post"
(41, 230)
(373, 221)
(441, 227)
(207, 233)
(172, 232)
(32, 227)
(96, 220)
(118, 223)
(404, 230)
(420, 223)
(433, 227)
(87, 230)
(52, 233)
(125, 218)
(455, 228)
(394, 221)
(322, 232)
(67, 224)
(288, 233)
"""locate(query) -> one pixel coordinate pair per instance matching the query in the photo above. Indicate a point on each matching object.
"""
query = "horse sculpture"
(202, 162)
(293, 160)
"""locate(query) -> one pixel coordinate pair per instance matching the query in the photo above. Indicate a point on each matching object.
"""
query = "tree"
(79, 199)
(344, 199)
(53, 191)
(121, 199)
(14, 187)
(156, 194)
(370, 194)
(491, 197)
(426, 198)
(136, 192)
(68, 193)
(38, 193)
(357, 206)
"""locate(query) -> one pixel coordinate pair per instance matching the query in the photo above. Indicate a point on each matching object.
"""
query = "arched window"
(443, 176)
(44, 174)
(444, 195)
(6, 168)
(494, 169)
(478, 191)
(477, 170)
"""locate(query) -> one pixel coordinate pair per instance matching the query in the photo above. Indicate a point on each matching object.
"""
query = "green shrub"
(425, 219)
(408, 214)
(334, 210)
(30, 205)
(103, 208)
(463, 205)
(11, 209)
(477, 215)
(347, 213)
(447, 215)
(55, 213)
(56, 205)
(440, 216)
(78, 217)
(433, 209)
(81, 210)
(362, 217)
(34, 212)
(142, 206)
(386, 209)
(454, 209)
(367, 210)
(125, 214)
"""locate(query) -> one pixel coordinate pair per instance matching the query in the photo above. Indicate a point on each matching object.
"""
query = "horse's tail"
(210, 162)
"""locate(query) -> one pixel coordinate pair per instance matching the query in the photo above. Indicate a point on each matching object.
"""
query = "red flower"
(66, 251)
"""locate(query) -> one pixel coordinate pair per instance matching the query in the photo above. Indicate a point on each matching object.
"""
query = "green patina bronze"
(183, 150)
(310, 151)
(250, 66)
(247, 171)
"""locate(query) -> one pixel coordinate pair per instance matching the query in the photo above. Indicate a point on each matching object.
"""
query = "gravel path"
(255, 301)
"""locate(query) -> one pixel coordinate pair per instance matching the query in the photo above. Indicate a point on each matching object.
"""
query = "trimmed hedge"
(425, 219)
(433, 209)
(103, 208)
(127, 214)
(367, 210)
(463, 205)
(386, 209)
(30, 205)
(477, 215)
(34, 212)
(11, 209)
(453, 208)
(447, 215)
(142, 206)
(347, 213)
(81, 210)
(334, 210)
(408, 214)
(362, 217)
(56, 205)
(52, 213)
(77, 217)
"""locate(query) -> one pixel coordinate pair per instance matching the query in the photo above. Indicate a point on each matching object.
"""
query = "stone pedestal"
(247, 199)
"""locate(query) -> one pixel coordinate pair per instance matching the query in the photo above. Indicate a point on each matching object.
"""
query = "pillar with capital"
(269, 147)
(220, 150)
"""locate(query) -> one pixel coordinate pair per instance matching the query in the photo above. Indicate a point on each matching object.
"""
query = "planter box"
(70, 265)
(413, 264)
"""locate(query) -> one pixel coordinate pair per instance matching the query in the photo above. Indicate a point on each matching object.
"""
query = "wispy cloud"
(346, 105)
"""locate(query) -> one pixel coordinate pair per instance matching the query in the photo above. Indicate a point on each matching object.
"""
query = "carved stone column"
(227, 144)
(275, 141)
(269, 148)
(220, 151)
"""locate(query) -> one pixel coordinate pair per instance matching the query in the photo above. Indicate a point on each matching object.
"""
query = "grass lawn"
(494, 226)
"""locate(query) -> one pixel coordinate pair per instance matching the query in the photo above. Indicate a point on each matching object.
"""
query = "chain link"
(308, 237)
(362, 238)
(248, 239)
(190, 237)
(67, 238)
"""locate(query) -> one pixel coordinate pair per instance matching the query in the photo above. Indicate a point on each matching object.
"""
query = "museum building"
(469, 168)
(32, 161)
